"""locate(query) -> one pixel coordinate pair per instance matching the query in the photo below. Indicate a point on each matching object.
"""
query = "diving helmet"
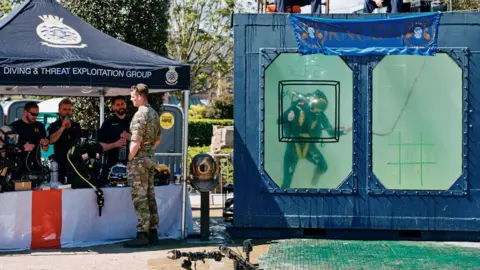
(298, 99)
(204, 171)
(162, 175)
(317, 102)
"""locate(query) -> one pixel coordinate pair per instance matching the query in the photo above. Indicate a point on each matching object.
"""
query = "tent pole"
(186, 101)
(102, 108)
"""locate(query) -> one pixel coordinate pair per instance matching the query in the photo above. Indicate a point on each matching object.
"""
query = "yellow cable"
(81, 176)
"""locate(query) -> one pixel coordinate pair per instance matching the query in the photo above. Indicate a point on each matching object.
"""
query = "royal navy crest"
(172, 76)
(56, 34)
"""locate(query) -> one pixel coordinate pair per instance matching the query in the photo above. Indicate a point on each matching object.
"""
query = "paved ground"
(115, 257)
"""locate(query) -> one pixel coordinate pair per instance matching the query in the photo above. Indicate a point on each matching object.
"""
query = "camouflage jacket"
(145, 128)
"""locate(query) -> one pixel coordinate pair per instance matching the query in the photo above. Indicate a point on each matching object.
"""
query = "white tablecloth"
(69, 217)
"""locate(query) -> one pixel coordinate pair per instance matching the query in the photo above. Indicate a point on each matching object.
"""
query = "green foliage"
(197, 112)
(4, 7)
(464, 4)
(86, 111)
(142, 23)
(226, 166)
(7, 5)
(38, 97)
(221, 107)
(200, 132)
(200, 34)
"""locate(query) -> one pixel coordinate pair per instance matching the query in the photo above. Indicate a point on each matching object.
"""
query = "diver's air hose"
(98, 191)
(75, 168)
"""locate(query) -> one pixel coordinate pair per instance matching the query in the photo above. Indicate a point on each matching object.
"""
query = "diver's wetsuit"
(305, 124)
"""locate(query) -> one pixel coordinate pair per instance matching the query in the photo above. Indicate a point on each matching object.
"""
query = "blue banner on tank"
(399, 35)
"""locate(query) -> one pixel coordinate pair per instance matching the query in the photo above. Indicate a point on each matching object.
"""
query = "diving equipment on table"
(85, 161)
(118, 173)
(117, 177)
(162, 175)
(37, 172)
(9, 157)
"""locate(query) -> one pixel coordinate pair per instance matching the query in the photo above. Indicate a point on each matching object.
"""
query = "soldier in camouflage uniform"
(145, 130)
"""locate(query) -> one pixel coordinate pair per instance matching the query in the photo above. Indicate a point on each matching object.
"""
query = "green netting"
(295, 254)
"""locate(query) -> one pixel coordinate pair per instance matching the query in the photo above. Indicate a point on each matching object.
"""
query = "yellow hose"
(81, 176)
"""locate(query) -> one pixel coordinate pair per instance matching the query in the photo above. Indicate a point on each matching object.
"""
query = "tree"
(7, 5)
(465, 4)
(4, 8)
(142, 23)
(200, 34)
(220, 107)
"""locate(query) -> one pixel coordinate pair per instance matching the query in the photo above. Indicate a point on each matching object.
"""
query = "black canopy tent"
(43, 44)
(46, 50)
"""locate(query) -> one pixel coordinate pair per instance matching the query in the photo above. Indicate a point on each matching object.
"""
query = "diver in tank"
(305, 118)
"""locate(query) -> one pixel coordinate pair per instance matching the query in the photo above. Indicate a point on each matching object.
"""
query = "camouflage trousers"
(140, 178)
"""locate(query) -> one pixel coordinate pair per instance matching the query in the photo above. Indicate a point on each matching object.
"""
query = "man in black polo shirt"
(62, 134)
(33, 136)
(113, 136)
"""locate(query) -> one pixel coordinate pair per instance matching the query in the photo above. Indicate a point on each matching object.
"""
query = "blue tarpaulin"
(407, 34)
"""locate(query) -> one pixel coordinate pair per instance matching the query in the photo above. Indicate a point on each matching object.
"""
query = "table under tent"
(48, 51)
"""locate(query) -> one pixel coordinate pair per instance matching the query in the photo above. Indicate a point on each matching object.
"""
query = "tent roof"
(46, 50)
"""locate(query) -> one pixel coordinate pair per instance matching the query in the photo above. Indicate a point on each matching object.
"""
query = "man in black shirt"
(62, 134)
(33, 136)
(113, 136)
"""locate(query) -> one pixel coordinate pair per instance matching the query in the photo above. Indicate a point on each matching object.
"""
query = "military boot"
(140, 241)
(153, 237)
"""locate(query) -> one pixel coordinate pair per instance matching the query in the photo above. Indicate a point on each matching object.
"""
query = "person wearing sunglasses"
(33, 136)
